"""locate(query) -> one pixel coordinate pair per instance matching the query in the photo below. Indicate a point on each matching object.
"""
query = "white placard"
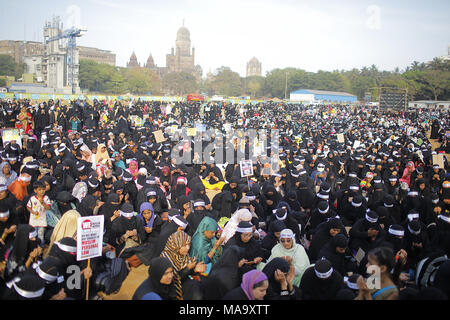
(246, 168)
(89, 237)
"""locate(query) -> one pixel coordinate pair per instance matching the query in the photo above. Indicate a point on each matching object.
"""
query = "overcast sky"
(311, 35)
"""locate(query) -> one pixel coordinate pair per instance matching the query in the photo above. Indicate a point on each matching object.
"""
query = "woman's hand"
(200, 267)
(192, 264)
(87, 273)
(257, 260)
(281, 279)
(242, 262)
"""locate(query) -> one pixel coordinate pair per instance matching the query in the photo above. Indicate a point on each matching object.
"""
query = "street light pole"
(285, 88)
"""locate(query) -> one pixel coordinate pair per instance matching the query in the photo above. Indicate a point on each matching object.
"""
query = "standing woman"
(25, 120)
(177, 251)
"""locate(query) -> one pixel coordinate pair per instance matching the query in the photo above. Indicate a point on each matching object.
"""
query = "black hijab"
(158, 266)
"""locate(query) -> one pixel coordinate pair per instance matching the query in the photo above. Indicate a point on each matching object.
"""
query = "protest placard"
(89, 237)
(439, 160)
(246, 168)
(159, 136)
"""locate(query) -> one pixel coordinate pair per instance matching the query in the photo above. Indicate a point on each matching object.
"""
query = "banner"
(89, 237)
(11, 135)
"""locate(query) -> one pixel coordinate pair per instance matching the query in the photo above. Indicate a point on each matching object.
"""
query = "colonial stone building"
(183, 59)
(180, 60)
(133, 63)
(253, 67)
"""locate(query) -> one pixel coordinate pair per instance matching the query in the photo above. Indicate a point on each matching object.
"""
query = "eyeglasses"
(285, 240)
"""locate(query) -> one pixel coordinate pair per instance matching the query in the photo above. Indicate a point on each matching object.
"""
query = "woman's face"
(287, 243)
(209, 234)
(47, 186)
(6, 169)
(133, 166)
(184, 250)
(147, 214)
(246, 236)
(167, 277)
(334, 232)
(260, 292)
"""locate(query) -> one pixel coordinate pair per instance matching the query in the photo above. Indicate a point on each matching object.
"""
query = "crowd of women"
(358, 210)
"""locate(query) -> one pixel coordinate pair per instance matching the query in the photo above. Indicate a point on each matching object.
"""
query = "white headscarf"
(232, 224)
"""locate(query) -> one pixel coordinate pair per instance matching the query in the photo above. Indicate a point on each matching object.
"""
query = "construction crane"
(71, 34)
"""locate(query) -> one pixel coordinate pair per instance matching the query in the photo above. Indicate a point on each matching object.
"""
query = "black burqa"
(225, 274)
(158, 266)
(315, 288)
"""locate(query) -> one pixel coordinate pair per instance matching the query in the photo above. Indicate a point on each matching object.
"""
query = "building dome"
(183, 34)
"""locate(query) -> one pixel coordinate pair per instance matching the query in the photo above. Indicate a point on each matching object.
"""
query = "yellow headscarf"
(66, 227)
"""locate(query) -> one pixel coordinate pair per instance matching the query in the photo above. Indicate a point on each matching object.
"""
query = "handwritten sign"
(159, 136)
(89, 237)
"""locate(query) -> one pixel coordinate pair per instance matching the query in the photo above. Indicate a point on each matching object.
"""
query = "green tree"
(141, 80)
(179, 83)
(254, 86)
(437, 81)
(227, 82)
(9, 68)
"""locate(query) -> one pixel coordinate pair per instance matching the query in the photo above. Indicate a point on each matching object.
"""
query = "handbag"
(134, 261)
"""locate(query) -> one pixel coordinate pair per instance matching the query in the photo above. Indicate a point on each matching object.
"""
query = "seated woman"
(205, 246)
(24, 251)
(159, 284)
(177, 251)
(212, 178)
(384, 259)
(127, 231)
(225, 274)
(292, 252)
(152, 222)
(252, 251)
(66, 227)
(232, 224)
(280, 275)
(253, 287)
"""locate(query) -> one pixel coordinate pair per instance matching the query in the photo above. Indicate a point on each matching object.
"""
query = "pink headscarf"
(131, 170)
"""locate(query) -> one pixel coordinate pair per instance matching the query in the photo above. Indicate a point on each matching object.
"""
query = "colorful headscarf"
(249, 279)
(174, 243)
(131, 170)
(147, 206)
